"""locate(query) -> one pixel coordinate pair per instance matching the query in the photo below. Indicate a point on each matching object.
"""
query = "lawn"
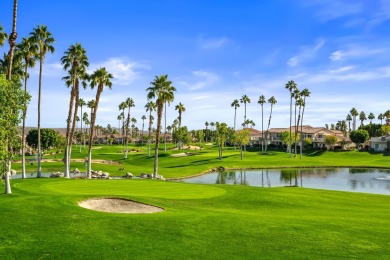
(41, 218)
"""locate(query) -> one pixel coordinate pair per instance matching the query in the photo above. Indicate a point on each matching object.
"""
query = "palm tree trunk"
(12, 39)
(93, 119)
(165, 127)
(81, 124)
(290, 125)
(160, 108)
(266, 135)
(76, 98)
(296, 131)
(262, 129)
(142, 135)
(303, 111)
(39, 117)
(24, 126)
(127, 131)
(295, 134)
(150, 128)
(68, 122)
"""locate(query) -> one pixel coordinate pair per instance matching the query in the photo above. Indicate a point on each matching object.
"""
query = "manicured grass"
(41, 219)
(202, 161)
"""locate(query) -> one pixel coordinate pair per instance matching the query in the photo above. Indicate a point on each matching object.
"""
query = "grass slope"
(41, 219)
(202, 161)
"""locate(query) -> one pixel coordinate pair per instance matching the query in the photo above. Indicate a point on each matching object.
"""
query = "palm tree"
(296, 94)
(262, 101)
(300, 104)
(3, 35)
(180, 108)
(354, 114)
(362, 117)
(150, 106)
(381, 117)
(129, 104)
(304, 93)
(207, 125)
(159, 90)
(235, 104)
(76, 62)
(143, 123)
(122, 106)
(12, 40)
(99, 78)
(169, 97)
(387, 115)
(119, 118)
(371, 116)
(81, 104)
(291, 86)
(245, 99)
(43, 41)
(349, 119)
(27, 51)
(271, 101)
(133, 121)
(86, 118)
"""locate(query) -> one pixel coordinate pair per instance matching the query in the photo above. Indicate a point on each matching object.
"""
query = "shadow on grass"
(315, 153)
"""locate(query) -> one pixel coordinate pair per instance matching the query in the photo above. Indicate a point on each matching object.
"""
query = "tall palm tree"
(245, 99)
(43, 41)
(159, 90)
(207, 125)
(381, 117)
(169, 97)
(86, 118)
(371, 116)
(354, 114)
(305, 93)
(27, 51)
(81, 104)
(300, 104)
(129, 104)
(291, 86)
(76, 62)
(362, 117)
(181, 109)
(150, 106)
(122, 106)
(12, 39)
(3, 35)
(133, 121)
(143, 123)
(262, 101)
(235, 104)
(349, 119)
(271, 101)
(387, 115)
(99, 78)
(119, 118)
(297, 95)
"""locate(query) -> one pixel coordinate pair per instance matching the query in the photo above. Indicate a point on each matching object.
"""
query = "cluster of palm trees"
(300, 102)
(353, 113)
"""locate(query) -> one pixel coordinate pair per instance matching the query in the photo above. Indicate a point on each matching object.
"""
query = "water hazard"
(375, 181)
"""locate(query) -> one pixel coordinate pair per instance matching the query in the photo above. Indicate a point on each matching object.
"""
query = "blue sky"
(215, 52)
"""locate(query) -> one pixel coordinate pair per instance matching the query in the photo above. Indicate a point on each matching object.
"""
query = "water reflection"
(345, 179)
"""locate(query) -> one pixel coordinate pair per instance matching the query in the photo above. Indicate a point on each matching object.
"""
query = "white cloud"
(49, 70)
(329, 10)
(306, 53)
(382, 15)
(354, 51)
(213, 43)
(123, 70)
(202, 79)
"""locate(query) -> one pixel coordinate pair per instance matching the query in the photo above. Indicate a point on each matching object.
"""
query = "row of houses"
(316, 135)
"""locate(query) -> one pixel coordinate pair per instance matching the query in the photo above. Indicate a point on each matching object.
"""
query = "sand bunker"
(181, 154)
(118, 206)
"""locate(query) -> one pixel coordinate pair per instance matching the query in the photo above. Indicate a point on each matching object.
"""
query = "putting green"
(138, 188)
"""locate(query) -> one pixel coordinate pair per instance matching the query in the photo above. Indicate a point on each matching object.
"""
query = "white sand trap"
(181, 154)
(118, 206)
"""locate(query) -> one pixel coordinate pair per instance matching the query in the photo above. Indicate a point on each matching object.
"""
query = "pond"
(375, 181)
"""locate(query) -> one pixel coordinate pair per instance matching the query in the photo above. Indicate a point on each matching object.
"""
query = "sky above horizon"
(215, 52)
